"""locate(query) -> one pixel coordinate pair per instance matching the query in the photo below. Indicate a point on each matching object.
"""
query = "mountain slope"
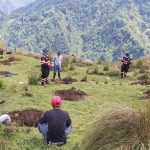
(92, 29)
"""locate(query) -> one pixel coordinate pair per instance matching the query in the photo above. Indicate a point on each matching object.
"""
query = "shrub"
(1, 84)
(84, 79)
(142, 70)
(12, 87)
(135, 73)
(139, 63)
(96, 70)
(97, 81)
(121, 128)
(33, 78)
(72, 66)
(114, 73)
(106, 68)
(66, 62)
(143, 77)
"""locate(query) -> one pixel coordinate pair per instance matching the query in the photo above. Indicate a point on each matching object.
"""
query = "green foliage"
(84, 79)
(72, 66)
(93, 34)
(33, 78)
(121, 128)
(1, 84)
(114, 72)
(66, 62)
(106, 68)
(142, 70)
(140, 63)
(143, 77)
(93, 70)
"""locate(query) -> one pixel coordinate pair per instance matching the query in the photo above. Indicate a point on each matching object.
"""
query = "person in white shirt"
(57, 64)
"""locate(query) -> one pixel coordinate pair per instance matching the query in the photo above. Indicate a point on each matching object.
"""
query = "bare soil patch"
(28, 117)
(71, 94)
(68, 80)
(6, 74)
(9, 60)
(141, 82)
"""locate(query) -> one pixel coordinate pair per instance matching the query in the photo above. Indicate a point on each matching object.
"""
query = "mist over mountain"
(90, 28)
(8, 6)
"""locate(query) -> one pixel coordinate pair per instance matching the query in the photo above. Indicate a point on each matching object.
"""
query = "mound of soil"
(28, 117)
(69, 80)
(65, 81)
(6, 74)
(71, 94)
(8, 61)
(141, 82)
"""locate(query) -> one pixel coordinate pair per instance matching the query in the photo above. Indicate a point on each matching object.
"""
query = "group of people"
(46, 65)
(55, 125)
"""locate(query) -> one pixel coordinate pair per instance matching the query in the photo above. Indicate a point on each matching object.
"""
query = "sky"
(21, 3)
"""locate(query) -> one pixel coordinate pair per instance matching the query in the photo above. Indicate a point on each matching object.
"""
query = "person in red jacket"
(55, 124)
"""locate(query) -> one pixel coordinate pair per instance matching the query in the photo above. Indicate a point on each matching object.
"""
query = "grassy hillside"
(98, 30)
(103, 93)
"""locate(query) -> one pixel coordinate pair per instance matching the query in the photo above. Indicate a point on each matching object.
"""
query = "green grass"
(101, 98)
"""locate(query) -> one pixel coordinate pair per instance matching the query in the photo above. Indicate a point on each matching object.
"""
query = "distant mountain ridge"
(90, 28)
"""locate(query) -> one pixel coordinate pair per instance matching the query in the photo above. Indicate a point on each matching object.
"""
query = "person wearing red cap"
(55, 124)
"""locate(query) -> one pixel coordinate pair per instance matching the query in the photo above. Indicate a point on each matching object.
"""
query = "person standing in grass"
(45, 67)
(126, 61)
(55, 124)
(57, 64)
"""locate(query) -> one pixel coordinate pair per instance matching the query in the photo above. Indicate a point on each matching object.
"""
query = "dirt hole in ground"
(71, 94)
(6, 74)
(141, 82)
(67, 80)
(9, 60)
(28, 117)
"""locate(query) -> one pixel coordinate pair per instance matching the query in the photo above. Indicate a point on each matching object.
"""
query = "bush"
(12, 87)
(72, 66)
(96, 70)
(1, 84)
(121, 128)
(33, 78)
(66, 62)
(106, 68)
(93, 70)
(143, 77)
(139, 63)
(84, 79)
(142, 70)
(113, 73)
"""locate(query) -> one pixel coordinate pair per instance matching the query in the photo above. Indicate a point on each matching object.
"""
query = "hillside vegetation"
(93, 29)
(102, 84)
